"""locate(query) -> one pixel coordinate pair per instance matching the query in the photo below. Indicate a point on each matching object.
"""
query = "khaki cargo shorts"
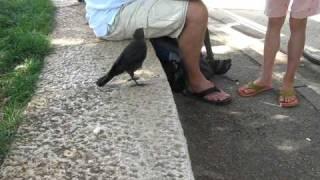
(157, 18)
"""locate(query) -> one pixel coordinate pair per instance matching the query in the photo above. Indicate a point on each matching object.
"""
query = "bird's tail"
(104, 80)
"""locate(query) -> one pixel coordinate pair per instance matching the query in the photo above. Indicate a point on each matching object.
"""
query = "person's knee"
(197, 12)
(298, 25)
(276, 23)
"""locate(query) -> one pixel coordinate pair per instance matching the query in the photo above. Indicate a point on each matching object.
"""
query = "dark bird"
(129, 60)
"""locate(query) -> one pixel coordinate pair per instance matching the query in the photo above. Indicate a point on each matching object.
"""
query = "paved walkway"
(75, 130)
(252, 20)
(252, 138)
(250, 41)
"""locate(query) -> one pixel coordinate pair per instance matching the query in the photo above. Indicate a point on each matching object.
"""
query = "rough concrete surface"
(252, 138)
(75, 130)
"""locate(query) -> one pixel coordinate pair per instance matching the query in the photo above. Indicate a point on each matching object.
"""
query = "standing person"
(185, 20)
(276, 10)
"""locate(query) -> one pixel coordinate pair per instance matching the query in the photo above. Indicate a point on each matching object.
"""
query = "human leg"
(271, 47)
(190, 42)
(276, 10)
(295, 50)
(298, 22)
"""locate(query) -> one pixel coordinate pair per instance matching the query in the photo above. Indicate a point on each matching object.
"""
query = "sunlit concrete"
(67, 41)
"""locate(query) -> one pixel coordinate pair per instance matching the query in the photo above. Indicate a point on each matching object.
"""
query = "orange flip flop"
(254, 88)
(288, 94)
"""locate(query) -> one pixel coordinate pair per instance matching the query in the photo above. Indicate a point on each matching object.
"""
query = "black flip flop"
(202, 94)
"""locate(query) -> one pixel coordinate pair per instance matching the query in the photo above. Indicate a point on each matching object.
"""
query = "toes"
(291, 99)
(246, 90)
(282, 99)
(218, 96)
(287, 99)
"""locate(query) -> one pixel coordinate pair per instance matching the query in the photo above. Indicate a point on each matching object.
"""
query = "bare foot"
(214, 96)
(258, 82)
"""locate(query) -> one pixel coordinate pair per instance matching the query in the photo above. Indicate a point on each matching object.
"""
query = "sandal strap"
(207, 92)
(287, 93)
(255, 87)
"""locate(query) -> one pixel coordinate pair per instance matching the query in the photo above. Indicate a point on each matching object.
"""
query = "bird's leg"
(134, 78)
(136, 82)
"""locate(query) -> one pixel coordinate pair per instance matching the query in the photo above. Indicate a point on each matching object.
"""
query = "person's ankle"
(287, 84)
(263, 82)
(200, 85)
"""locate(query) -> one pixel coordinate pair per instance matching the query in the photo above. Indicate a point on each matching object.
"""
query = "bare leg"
(295, 50)
(271, 47)
(190, 42)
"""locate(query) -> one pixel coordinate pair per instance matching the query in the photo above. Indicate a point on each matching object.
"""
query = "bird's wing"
(117, 67)
(135, 52)
(130, 59)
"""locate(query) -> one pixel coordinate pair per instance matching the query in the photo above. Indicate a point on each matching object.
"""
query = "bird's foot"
(134, 79)
(138, 85)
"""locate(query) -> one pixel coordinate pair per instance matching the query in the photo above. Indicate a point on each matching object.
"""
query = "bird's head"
(138, 34)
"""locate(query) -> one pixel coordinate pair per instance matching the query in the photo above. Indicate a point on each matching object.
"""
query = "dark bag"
(169, 55)
(218, 66)
(168, 52)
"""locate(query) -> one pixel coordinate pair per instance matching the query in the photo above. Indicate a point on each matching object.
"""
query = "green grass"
(24, 26)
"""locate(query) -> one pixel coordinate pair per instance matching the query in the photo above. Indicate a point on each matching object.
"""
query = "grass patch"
(24, 26)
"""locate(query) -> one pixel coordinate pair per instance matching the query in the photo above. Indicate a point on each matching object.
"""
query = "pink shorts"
(299, 9)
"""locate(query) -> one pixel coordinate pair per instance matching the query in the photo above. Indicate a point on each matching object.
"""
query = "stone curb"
(75, 130)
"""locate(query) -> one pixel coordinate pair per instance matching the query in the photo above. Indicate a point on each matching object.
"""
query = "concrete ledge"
(75, 130)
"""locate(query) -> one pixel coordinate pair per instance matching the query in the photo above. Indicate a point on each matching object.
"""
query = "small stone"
(69, 153)
(97, 130)
(308, 139)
